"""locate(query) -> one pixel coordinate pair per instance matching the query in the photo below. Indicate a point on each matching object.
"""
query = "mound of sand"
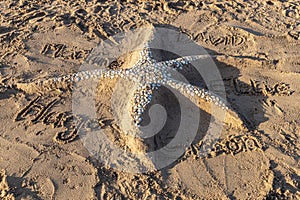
(4, 188)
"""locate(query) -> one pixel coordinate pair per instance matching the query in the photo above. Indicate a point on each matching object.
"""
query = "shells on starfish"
(140, 68)
(142, 98)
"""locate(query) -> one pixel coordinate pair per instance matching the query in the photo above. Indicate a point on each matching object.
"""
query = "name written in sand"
(40, 110)
(56, 50)
(253, 87)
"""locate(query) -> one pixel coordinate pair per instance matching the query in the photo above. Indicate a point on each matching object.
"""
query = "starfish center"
(148, 73)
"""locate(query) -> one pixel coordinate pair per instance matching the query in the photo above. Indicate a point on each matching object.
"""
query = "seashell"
(77, 78)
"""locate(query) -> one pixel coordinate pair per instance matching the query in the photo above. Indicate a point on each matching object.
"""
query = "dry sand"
(257, 156)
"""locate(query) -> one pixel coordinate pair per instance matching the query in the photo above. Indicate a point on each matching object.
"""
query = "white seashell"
(77, 79)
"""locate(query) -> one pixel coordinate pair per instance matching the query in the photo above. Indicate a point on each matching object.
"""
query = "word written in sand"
(232, 144)
(260, 87)
(63, 51)
(253, 87)
(230, 40)
(40, 111)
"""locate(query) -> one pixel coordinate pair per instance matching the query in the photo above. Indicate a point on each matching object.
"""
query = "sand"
(42, 155)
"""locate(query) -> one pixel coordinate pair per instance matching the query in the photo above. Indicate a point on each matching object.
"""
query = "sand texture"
(43, 150)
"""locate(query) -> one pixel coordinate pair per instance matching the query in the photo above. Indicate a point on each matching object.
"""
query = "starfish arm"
(142, 97)
(178, 63)
(145, 55)
(66, 81)
(192, 91)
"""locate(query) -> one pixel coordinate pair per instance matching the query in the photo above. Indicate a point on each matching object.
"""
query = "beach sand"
(257, 155)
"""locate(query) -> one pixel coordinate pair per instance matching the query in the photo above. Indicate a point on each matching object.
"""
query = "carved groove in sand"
(233, 144)
(63, 51)
(225, 37)
(5, 191)
(42, 110)
(256, 87)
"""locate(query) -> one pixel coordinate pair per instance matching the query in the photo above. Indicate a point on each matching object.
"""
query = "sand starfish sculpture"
(147, 73)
